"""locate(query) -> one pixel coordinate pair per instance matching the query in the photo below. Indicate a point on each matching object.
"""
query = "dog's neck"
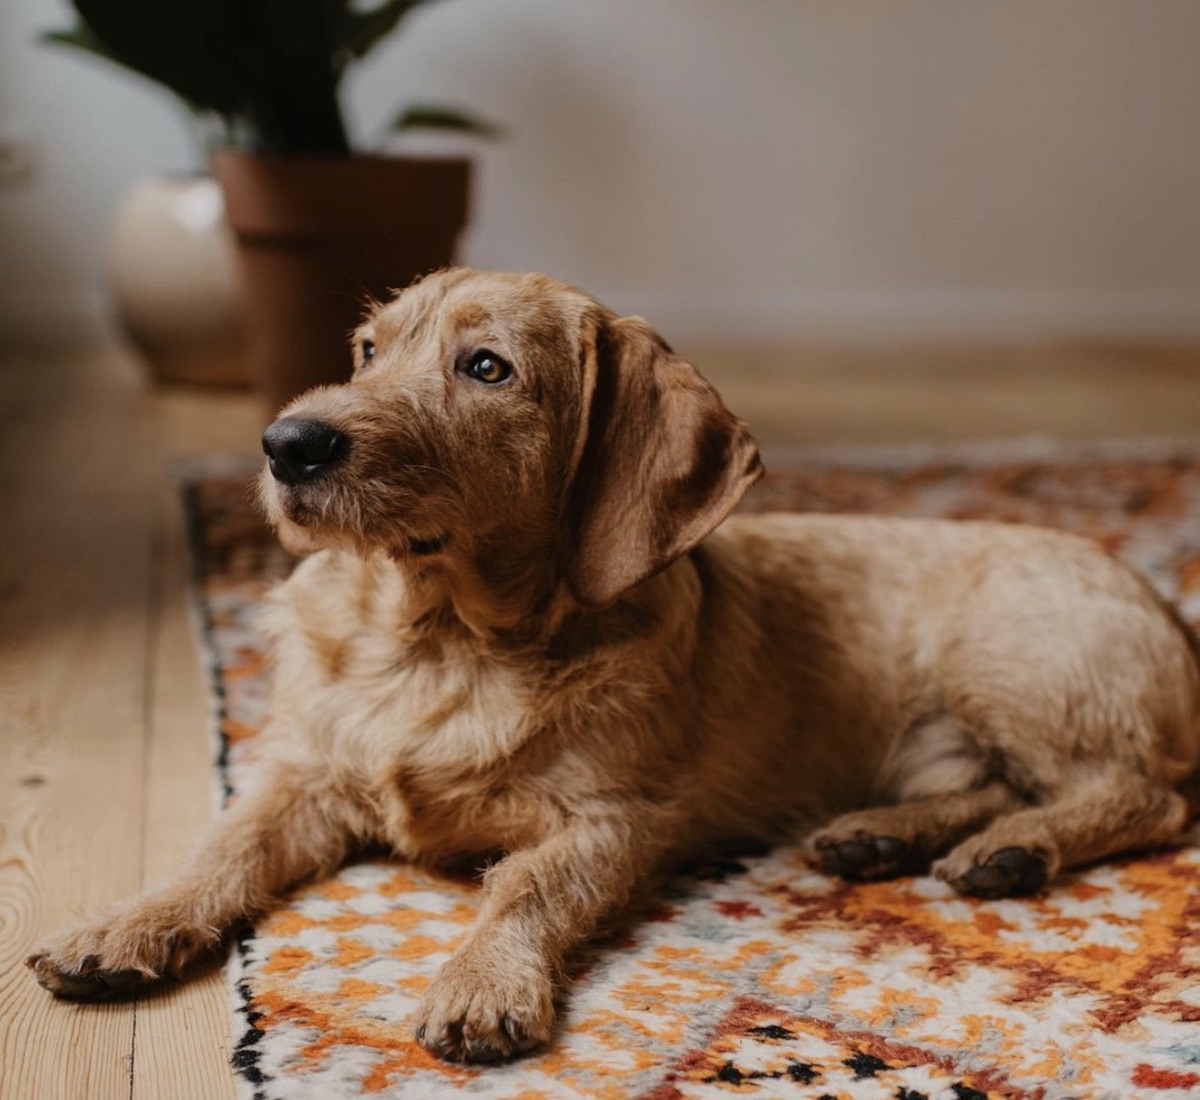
(530, 611)
(484, 591)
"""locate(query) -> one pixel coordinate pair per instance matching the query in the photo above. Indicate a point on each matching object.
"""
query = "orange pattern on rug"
(755, 975)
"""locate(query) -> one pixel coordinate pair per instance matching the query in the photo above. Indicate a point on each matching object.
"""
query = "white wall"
(737, 168)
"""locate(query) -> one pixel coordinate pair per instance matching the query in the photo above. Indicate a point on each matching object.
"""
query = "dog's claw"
(459, 1042)
(1009, 872)
(866, 857)
(87, 982)
(479, 1050)
(446, 1043)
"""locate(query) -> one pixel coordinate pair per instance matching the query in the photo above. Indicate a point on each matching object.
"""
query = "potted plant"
(320, 229)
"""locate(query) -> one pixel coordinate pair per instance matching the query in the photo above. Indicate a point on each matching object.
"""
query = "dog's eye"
(367, 349)
(487, 366)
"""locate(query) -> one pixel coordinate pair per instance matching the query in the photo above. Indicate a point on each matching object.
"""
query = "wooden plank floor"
(104, 742)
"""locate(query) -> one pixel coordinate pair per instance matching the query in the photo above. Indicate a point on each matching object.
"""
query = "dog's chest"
(433, 709)
(425, 734)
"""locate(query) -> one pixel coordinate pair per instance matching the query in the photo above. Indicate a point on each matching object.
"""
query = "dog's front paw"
(133, 946)
(483, 1007)
(1008, 872)
(859, 855)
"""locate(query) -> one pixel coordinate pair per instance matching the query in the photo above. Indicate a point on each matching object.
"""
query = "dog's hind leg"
(287, 829)
(886, 841)
(1093, 814)
(936, 788)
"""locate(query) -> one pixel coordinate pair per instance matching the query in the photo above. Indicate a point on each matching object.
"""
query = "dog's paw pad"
(866, 857)
(1009, 872)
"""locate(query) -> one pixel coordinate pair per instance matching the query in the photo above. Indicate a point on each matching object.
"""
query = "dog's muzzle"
(301, 450)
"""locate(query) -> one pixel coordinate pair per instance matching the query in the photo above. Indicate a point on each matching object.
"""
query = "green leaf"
(269, 68)
(362, 29)
(287, 60)
(188, 46)
(80, 38)
(423, 116)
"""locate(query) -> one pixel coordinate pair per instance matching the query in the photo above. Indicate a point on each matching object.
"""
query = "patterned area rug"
(755, 975)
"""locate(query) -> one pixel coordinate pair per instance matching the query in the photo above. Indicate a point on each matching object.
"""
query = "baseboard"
(918, 316)
(792, 316)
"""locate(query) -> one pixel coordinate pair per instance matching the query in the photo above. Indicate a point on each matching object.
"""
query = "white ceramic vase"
(173, 270)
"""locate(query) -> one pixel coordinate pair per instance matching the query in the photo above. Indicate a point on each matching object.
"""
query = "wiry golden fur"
(518, 634)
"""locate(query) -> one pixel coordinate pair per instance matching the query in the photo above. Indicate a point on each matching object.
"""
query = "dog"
(526, 630)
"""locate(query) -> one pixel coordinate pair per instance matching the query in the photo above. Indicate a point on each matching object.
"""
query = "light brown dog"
(518, 634)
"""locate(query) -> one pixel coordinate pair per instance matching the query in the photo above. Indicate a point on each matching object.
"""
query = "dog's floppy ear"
(662, 464)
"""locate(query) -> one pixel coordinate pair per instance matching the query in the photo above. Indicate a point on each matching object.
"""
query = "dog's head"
(513, 426)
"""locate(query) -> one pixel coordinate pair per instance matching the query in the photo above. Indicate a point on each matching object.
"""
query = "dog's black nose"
(300, 450)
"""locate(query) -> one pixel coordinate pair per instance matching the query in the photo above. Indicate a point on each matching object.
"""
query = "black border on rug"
(244, 1057)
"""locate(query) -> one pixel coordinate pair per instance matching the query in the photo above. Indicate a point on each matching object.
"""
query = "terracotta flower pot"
(318, 238)
(173, 272)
